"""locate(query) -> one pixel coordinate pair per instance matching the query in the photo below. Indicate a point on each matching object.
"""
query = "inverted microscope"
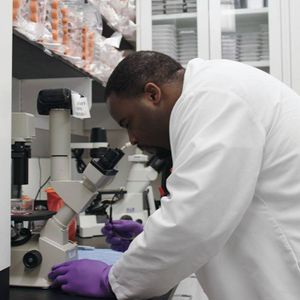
(135, 201)
(31, 261)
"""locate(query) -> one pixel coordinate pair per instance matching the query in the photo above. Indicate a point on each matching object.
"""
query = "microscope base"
(52, 253)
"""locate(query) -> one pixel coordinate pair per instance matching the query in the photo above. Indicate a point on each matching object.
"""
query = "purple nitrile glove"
(85, 277)
(120, 233)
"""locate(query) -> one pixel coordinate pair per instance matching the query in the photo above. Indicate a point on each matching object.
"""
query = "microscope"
(135, 201)
(32, 261)
(138, 202)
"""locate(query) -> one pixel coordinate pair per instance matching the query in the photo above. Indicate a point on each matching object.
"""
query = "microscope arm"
(77, 195)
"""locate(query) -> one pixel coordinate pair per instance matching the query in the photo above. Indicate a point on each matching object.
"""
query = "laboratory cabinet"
(260, 33)
(284, 30)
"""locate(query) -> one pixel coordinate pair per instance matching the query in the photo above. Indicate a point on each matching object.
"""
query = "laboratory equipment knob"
(32, 259)
(126, 217)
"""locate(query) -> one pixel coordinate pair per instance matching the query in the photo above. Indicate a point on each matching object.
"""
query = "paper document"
(106, 255)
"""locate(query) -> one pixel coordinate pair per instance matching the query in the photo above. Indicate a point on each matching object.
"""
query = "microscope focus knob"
(126, 217)
(32, 259)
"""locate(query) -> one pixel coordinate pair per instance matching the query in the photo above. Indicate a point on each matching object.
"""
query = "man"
(233, 213)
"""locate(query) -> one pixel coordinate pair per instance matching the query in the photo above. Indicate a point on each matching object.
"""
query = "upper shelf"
(192, 15)
(182, 20)
(258, 64)
(32, 61)
(186, 19)
(250, 11)
(248, 15)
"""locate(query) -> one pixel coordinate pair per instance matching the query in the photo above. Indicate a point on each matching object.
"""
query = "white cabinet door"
(239, 30)
(294, 29)
(280, 40)
(285, 41)
(144, 25)
(177, 28)
(261, 33)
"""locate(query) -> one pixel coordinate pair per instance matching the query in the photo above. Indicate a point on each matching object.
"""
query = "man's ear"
(153, 92)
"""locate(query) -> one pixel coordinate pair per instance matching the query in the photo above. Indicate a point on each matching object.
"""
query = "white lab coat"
(233, 214)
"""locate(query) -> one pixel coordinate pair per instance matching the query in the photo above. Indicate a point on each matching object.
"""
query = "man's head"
(141, 93)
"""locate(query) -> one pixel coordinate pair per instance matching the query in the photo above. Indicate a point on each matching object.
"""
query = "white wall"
(5, 129)
(38, 172)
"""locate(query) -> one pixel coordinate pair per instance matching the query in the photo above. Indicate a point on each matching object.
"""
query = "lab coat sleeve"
(218, 148)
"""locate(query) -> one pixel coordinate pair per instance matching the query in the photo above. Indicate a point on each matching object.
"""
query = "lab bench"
(21, 293)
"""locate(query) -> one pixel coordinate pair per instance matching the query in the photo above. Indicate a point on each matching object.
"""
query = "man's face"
(143, 120)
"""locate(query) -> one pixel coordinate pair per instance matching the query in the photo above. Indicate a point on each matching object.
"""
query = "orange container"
(54, 203)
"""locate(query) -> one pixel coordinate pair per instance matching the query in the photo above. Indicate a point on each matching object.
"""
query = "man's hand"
(120, 233)
(84, 277)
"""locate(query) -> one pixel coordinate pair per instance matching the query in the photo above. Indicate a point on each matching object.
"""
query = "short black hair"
(134, 71)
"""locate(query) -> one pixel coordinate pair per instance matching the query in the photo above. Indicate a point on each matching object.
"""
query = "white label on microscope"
(80, 107)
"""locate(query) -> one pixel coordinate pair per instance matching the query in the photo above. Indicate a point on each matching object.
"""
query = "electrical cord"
(40, 173)
(146, 201)
(36, 196)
